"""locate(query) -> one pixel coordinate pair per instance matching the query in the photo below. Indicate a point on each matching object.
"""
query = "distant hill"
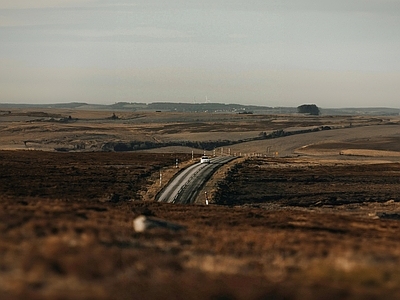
(373, 111)
(205, 107)
(71, 105)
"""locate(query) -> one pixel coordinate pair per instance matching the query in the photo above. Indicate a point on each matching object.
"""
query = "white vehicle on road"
(204, 159)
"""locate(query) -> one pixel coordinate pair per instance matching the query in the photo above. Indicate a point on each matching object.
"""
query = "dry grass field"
(71, 130)
(303, 216)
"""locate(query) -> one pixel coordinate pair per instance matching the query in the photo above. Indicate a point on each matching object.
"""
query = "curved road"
(186, 185)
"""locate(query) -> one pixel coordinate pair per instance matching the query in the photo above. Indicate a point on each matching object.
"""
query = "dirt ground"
(316, 224)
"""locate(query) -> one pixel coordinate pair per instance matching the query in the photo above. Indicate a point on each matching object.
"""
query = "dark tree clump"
(310, 109)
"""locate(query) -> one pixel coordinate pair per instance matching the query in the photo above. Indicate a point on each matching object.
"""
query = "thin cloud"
(28, 4)
(374, 6)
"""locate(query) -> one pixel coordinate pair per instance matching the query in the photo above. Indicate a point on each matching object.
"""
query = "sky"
(342, 53)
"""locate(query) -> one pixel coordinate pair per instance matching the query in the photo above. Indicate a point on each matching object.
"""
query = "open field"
(76, 130)
(304, 216)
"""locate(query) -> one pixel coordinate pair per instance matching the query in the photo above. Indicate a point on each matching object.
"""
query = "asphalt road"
(185, 187)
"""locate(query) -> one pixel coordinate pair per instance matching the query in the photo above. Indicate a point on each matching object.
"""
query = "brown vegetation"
(296, 182)
(80, 176)
(312, 225)
(61, 239)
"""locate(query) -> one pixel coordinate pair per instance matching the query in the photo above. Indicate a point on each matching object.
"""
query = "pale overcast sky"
(342, 53)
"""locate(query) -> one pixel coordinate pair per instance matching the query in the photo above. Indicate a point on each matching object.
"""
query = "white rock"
(143, 223)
